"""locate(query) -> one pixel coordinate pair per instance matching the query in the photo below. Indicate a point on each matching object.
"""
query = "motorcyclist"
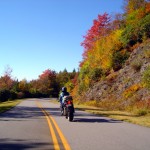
(62, 94)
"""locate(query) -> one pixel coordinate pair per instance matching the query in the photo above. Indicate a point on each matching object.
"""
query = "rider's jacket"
(62, 95)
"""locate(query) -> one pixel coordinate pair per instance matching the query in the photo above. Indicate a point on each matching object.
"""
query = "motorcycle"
(68, 108)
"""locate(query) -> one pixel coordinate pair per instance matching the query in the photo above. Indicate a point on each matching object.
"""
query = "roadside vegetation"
(4, 106)
(138, 117)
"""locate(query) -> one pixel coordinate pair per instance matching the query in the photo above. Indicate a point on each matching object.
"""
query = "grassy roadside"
(4, 106)
(143, 120)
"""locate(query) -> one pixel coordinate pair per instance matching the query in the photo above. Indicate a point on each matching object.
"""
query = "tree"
(63, 77)
(23, 85)
(48, 84)
(7, 85)
(137, 22)
(99, 29)
(132, 5)
(6, 81)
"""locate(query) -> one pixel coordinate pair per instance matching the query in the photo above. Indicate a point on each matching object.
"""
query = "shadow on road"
(84, 117)
(96, 120)
(22, 113)
(9, 144)
(53, 111)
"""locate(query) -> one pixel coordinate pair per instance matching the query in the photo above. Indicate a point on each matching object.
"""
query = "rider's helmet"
(64, 89)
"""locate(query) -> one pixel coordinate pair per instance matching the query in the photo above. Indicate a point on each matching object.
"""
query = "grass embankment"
(133, 117)
(4, 106)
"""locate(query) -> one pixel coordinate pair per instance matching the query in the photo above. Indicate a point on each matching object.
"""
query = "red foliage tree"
(98, 29)
(47, 82)
(47, 74)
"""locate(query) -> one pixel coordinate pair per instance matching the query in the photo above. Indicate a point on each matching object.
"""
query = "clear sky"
(36, 35)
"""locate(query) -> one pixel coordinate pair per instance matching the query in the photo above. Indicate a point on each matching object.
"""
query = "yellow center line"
(55, 141)
(63, 139)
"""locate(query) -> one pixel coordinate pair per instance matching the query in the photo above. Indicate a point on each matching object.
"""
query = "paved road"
(31, 125)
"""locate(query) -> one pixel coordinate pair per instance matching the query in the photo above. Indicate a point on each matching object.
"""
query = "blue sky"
(36, 35)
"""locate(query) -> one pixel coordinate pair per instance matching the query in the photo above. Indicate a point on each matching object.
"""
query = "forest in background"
(107, 45)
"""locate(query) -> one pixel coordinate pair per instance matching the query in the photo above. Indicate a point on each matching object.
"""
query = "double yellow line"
(51, 121)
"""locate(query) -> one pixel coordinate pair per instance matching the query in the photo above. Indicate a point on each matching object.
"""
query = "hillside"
(124, 89)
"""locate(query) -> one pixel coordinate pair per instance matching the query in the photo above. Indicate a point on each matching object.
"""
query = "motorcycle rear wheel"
(70, 116)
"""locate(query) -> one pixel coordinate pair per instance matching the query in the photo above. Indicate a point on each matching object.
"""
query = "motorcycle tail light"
(69, 102)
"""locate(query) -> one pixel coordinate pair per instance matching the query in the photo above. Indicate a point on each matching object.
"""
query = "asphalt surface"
(26, 127)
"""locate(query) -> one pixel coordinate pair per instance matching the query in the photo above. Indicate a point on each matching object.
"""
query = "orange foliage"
(148, 7)
(135, 46)
(131, 90)
(133, 5)
(6, 82)
(143, 104)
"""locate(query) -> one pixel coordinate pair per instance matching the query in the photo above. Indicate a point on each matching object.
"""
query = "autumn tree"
(62, 78)
(99, 29)
(48, 84)
(132, 5)
(6, 81)
(137, 18)
(71, 83)
(6, 85)
(24, 87)
(34, 88)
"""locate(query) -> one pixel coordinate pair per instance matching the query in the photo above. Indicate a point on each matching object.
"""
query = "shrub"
(95, 74)
(147, 53)
(111, 78)
(118, 59)
(136, 65)
(128, 38)
(13, 95)
(20, 95)
(146, 77)
(131, 90)
(110, 103)
(4, 95)
(142, 112)
(145, 26)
